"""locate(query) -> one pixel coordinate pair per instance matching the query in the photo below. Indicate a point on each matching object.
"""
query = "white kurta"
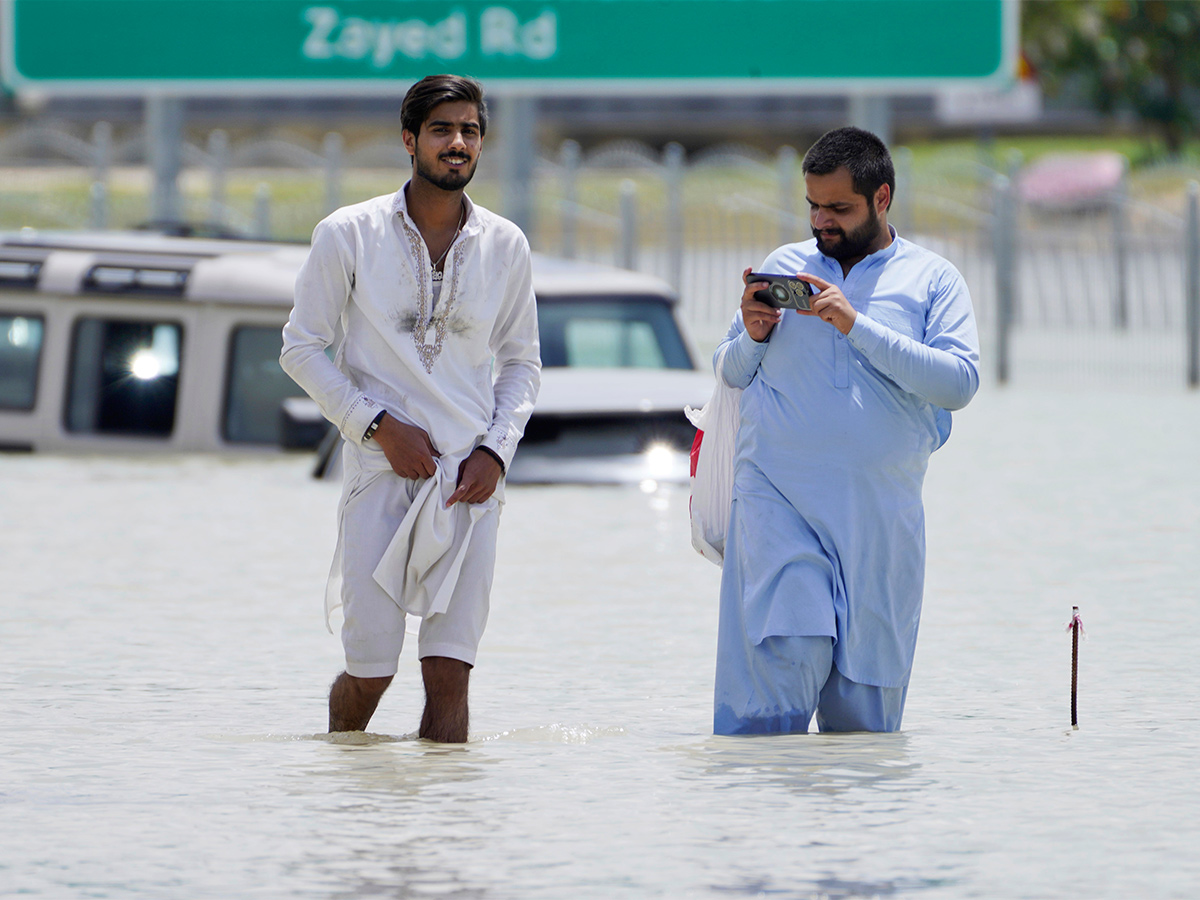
(462, 365)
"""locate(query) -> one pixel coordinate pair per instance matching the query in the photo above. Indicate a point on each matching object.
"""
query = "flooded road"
(163, 671)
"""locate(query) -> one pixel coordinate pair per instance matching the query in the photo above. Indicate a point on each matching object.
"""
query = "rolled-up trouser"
(778, 685)
(776, 681)
(373, 626)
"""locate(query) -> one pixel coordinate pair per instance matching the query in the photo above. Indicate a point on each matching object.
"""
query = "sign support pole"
(164, 150)
(515, 121)
(873, 113)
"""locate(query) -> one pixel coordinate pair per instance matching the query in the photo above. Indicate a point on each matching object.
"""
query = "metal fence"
(1106, 294)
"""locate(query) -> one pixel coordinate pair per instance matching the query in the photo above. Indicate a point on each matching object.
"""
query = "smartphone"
(783, 291)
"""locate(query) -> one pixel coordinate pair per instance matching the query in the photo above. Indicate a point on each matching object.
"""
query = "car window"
(20, 351)
(124, 377)
(611, 333)
(256, 386)
(611, 343)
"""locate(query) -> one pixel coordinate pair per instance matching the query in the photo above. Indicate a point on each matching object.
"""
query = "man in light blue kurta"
(843, 404)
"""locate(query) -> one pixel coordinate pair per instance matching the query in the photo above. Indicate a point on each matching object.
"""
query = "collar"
(887, 252)
(472, 224)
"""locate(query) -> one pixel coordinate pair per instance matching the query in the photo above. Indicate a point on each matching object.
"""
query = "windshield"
(611, 333)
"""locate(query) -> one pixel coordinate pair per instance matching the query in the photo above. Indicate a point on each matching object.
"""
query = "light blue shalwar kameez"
(825, 555)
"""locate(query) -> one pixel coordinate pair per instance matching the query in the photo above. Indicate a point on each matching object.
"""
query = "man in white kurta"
(431, 388)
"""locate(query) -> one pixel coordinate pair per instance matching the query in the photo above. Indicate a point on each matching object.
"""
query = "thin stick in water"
(1075, 626)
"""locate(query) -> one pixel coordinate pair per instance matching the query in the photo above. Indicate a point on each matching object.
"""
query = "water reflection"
(557, 733)
(404, 884)
(383, 766)
(400, 817)
(123, 784)
(830, 764)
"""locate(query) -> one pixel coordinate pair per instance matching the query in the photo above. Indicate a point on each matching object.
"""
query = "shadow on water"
(774, 775)
(405, 882)
(805, 763)
(832, 889)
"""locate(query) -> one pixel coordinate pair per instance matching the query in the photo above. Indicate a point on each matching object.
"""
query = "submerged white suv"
(135, 342)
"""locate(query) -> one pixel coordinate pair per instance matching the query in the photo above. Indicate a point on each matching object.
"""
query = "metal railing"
(1108, 292)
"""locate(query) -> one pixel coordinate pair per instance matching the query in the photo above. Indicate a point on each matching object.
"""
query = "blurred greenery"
(944, 181)
(1133, 57)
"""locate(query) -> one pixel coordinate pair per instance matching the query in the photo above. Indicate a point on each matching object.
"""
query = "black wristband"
(373, 427)
(494, 455)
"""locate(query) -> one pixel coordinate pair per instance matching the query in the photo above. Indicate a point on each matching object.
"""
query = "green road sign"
(538, 46)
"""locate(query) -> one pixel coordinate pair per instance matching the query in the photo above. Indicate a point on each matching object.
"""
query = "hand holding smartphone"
(783, 291)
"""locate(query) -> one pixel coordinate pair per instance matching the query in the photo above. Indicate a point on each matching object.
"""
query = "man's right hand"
(758, 318)
(407, 447)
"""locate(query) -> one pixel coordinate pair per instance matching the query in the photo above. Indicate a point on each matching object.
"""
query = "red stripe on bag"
(695, 454)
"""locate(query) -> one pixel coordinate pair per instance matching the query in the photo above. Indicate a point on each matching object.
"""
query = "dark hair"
(864, 154)
(433, 90)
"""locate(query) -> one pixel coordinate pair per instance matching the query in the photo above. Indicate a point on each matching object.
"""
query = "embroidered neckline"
(427, 318)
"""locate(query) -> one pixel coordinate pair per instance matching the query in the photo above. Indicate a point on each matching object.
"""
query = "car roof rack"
(20, 267)
(158, 277)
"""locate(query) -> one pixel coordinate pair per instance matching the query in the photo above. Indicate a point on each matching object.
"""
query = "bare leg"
(352, 701)
(445, 717)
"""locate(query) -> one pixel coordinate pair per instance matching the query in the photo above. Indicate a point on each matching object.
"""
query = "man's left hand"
(478, 476)
(830, 304)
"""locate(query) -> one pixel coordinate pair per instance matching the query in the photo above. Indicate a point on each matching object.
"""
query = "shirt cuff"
(358, 417)
(742, 358)
(497, 443)
(866, 334)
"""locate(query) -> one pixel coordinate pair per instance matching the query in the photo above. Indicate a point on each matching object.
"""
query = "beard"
(452, 180)
(854, 245)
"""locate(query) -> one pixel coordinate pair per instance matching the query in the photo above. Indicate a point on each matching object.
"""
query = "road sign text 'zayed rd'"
(564, 46)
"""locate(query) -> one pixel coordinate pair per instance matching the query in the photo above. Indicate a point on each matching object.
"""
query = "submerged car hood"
(576, 398)
(581, 392)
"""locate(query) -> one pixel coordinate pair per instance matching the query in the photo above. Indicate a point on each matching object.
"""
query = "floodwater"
(163, 669)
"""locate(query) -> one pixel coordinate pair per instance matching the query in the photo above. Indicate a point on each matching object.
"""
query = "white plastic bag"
(712, 469)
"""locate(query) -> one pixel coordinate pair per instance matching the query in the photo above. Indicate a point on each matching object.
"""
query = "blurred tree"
(1138, 55)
